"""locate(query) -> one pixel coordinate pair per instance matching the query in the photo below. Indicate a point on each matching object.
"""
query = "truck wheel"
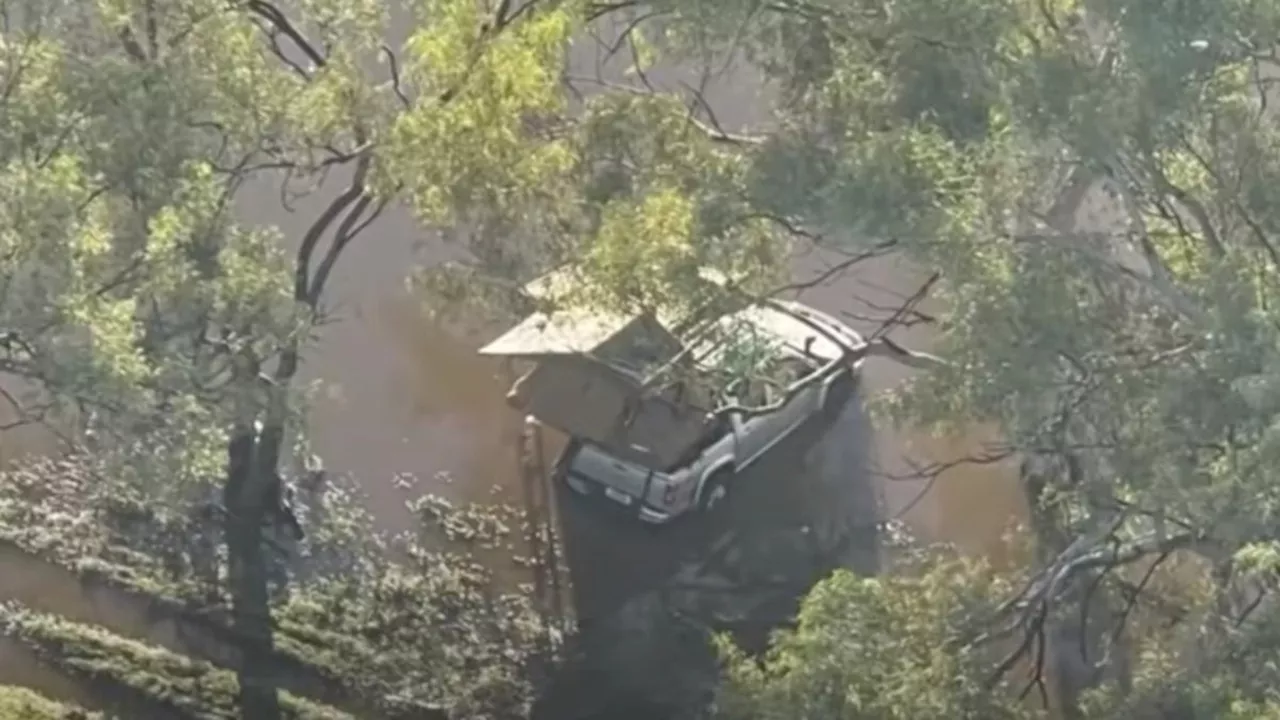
(560, 468)
(716, 491)
(838, 395)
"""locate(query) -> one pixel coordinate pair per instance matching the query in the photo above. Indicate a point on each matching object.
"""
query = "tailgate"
(616, 475)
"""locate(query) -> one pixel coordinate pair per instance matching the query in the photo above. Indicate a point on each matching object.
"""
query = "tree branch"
(347, 231)
(306, 249)
(711, 133)
(839, 268)
(393, 67)
(282, 24)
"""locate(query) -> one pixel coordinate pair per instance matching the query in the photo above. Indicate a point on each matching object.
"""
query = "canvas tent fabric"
(564, 332)
(597, 403)
(633, 344)
(587, 382)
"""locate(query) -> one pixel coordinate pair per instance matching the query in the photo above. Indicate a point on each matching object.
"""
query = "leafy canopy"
(1094, 181)
(876, 648)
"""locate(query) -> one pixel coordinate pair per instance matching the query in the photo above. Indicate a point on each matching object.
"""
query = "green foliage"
(434, 632)
(164, 680)
(637, 200)
(126, 285)
(142, 312)
(884, 648)
(72, 512)
(468, 143)
(22, 704)
(1196, 672)
(1127, 349)
(1137, 356)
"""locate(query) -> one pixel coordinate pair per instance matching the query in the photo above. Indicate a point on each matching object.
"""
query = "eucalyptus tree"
(164, 334)
(136, 305)
(1130, 360)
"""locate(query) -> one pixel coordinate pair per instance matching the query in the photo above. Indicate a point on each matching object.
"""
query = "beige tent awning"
(565, 332)
(598, 403)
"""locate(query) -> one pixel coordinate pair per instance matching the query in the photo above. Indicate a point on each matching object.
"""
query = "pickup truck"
(702, 480)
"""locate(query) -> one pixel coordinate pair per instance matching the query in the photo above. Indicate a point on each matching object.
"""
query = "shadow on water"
(623, 557)
(647, 595)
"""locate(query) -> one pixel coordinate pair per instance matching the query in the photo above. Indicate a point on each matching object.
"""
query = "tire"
(578, 487)
(716, 491)
(560, 470)
(838, 394)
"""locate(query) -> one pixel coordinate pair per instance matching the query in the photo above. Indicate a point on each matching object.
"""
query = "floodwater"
(407, 397)
(396, 396)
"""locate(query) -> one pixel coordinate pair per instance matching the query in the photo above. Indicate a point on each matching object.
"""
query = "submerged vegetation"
(135, 678)
(16, 702)
(400, 638)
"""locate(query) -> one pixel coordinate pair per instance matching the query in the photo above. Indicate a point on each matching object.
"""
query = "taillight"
(669, 494)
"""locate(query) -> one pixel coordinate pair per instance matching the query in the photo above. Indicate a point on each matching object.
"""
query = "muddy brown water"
(397, 395)
(409, 397)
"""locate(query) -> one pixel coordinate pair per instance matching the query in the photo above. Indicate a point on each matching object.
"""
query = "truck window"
(714, 434)
(794, 370)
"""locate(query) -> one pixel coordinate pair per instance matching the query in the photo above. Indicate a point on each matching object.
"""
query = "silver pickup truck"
(704, 478)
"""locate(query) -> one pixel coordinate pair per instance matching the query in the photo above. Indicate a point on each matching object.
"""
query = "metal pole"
(534, 512)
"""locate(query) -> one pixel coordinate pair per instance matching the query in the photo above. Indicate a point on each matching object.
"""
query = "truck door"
(753, 431)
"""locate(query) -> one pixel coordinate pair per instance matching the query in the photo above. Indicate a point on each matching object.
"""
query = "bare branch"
(302, 269)
(711, 133)
(350, 228)
(888, 349)
(836, 269)
(131, 46)
(906, 308)
(25, 416)
(595, 11)
(1085, 554)
(852, 355)
(394, 67)
(1136, 593)
(281, 23)
(1037, 669)
(993, 455)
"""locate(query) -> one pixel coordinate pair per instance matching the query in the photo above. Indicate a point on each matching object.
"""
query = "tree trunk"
(247, 493)
(1078, 640)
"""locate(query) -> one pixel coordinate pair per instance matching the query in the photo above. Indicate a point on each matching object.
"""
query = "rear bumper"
(655, 517)
(587, 487)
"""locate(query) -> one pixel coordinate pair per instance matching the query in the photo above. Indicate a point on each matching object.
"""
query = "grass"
(22, 704)
(139, 674)
(416, 638)
(398, 639)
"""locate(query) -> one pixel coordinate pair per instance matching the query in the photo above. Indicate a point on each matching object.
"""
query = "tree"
(136, 305)
(164, 338)
(1130, 359)
(904, 635)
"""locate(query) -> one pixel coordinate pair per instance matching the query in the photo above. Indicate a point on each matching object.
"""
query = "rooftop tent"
(595, 402)
(586, 382)
(564, 332)
(634, 345)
